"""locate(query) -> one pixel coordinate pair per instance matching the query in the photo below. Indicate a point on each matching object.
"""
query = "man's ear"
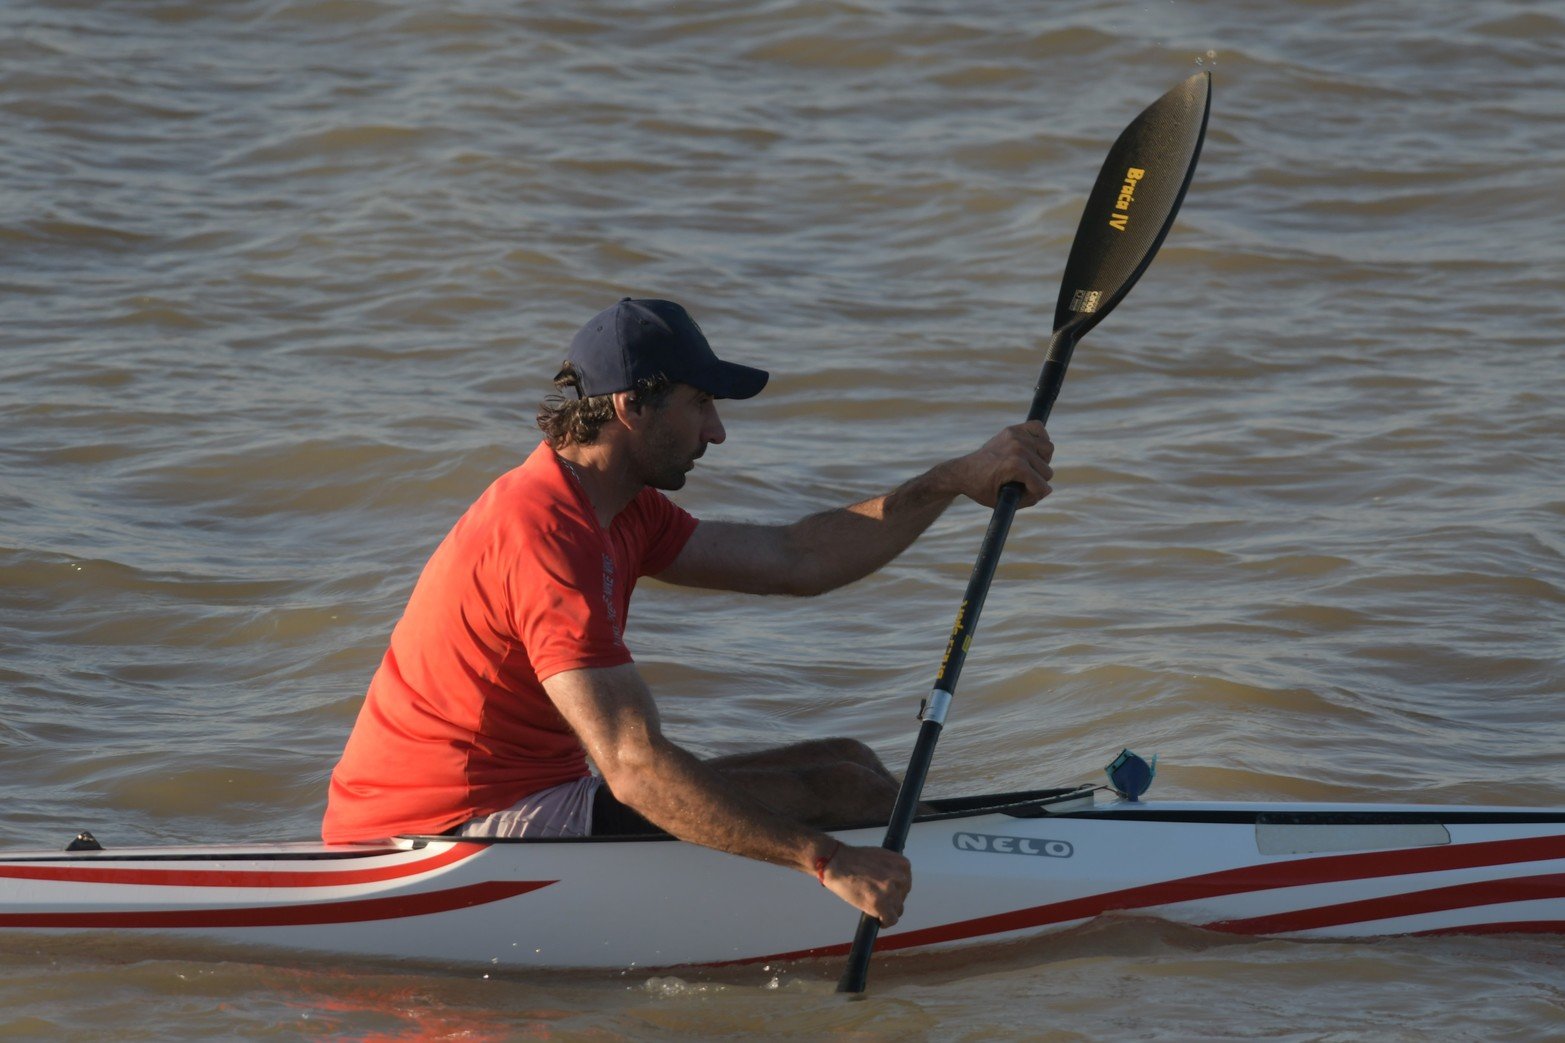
(627, 408)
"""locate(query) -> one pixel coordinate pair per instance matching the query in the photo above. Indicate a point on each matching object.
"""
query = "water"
(283, 281)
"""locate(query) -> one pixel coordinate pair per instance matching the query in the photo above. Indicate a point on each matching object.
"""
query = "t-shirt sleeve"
(665, 528)
(564, 605)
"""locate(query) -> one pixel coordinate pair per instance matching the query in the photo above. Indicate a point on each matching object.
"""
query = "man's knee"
(804, 756)
(851, 750)
(843, 794)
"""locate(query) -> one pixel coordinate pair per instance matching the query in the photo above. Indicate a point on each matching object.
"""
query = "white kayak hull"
(1044, 861)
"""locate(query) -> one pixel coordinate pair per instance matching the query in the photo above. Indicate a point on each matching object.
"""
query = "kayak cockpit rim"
(1079, 802)
(1021, 804)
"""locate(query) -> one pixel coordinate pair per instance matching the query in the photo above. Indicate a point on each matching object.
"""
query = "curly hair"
(576, 420)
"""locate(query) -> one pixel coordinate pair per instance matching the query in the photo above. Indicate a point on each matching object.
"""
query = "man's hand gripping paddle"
(1130, 210)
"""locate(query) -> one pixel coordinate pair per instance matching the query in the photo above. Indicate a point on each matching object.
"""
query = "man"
(508, 669)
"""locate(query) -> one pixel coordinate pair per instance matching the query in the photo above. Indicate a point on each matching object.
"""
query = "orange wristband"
(825, 860)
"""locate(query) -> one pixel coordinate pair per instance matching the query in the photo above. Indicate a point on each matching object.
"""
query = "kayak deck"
(987, 868)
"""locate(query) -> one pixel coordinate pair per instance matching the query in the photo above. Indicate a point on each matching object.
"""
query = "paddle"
(1130, 210)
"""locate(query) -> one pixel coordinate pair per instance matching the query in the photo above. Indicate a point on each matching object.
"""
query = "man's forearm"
(837, 547)
(827, 550)
(675, 791)
(688, 799)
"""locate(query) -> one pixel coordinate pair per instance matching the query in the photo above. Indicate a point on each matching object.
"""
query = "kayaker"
(508, 669)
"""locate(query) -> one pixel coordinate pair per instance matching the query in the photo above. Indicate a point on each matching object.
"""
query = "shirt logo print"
(608, 598)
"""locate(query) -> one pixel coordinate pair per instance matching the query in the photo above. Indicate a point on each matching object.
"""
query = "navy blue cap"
(638, 339)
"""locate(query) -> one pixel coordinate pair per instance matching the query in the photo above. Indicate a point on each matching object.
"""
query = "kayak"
(986, 869)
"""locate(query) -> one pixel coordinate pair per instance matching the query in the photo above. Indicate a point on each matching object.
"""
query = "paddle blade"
(1133, 204)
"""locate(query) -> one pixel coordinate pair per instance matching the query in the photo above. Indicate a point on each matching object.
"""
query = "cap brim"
(731, 380)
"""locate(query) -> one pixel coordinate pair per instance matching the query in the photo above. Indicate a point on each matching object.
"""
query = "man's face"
(676, 434)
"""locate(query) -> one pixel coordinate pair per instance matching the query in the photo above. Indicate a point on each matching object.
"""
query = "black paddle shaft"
(1127, 216)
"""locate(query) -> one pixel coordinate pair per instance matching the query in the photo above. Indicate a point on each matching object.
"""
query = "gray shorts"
(559, 811)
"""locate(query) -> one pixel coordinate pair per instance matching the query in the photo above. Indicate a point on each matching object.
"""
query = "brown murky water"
(283, 281)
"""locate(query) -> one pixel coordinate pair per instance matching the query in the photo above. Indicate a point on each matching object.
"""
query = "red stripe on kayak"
(240, 877)
(1301, 872)
(359, 911)
(1245, 879)
(1411, 903)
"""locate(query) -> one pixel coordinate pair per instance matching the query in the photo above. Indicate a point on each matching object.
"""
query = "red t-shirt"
(527, 585)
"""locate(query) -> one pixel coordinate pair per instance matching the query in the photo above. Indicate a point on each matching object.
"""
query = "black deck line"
(1335, 817)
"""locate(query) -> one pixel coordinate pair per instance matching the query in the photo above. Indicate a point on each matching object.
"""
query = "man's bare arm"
(612, 712)
(833, 548)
